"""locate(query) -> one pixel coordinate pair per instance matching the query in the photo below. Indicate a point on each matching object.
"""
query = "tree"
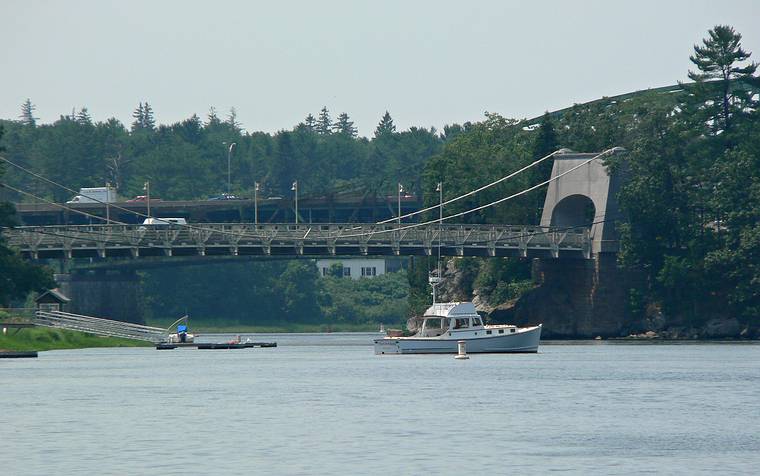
(27, 113)
(232, 119)
(719, 60)
(310, 122)
(211, 118)
(83, 117)
(17, 277)
(345, 126)
(149, 123)
(324, 124)
(138, 116)
(385, 126)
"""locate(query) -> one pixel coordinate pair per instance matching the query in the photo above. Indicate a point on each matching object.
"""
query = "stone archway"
(573, 211)
(568, 198)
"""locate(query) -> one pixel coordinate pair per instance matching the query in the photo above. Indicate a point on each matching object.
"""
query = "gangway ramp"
(99, 326)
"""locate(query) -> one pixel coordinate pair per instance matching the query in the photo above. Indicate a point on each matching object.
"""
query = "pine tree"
(345, 126)
(546, 141)
(83, 117)
(148, 122)
(324, 124)
(27, 113)
(385, 126)
(232, 119)
(139, 116)
(310, 122)
(719, 62)
(211, 118)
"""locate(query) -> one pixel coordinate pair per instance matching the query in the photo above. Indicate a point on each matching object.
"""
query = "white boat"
(444, 324)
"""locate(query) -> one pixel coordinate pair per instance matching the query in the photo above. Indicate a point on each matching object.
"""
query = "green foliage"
(17, 277)
(382, 299)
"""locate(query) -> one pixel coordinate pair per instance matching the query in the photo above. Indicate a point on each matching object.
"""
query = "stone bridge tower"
(580, 297)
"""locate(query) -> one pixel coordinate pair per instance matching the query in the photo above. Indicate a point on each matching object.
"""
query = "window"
(324, 271)
(501, 331)
(476, 321)
(512, 331)
(488, 333)
(346, 271)
(369, 271)
(461, 323)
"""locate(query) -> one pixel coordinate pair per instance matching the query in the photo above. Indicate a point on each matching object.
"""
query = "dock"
(213, 345)
(7, 354)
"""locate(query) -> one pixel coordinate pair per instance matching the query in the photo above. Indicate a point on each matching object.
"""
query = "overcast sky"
(429, 63)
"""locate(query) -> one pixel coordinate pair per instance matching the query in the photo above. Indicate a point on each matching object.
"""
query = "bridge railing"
(234, 236)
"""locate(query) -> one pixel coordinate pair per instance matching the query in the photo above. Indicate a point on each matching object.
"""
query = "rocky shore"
(568, 311)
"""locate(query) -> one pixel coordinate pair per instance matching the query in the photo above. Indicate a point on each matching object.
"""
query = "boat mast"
(435, 281)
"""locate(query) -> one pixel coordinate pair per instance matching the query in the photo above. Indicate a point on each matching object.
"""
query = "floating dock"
(214, 345)
(17, 355)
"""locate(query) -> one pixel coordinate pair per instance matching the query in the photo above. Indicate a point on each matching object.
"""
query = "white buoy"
(462, 351)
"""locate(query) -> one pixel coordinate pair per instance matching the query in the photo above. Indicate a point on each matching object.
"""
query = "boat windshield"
(433, 327)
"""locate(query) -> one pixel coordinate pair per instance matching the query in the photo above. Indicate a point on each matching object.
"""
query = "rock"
(717, 328)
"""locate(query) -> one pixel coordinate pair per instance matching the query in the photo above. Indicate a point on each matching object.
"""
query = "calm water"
(324, 404)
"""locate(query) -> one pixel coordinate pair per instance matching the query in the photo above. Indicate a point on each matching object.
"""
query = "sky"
(429, 63)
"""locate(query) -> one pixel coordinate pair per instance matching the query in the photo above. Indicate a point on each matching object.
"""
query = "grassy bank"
(41, 338)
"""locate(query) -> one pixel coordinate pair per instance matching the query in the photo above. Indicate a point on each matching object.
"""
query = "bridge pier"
(576, 298)
(109, 294)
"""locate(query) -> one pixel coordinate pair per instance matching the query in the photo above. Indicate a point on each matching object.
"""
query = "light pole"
(295, 189)
(146, 188)
(229, 175)
(400, 191)
(439, 189)
(256, 203)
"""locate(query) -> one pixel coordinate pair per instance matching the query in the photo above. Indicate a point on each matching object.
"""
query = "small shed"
(52, 300)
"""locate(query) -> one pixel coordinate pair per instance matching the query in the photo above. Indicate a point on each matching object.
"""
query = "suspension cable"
(472, 192)
(117, 207)
(90, 215)
(496, 202)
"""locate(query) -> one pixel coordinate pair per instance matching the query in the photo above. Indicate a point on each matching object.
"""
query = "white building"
(354, 268)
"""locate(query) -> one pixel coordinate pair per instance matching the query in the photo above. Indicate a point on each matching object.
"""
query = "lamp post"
(400, 191)
(146, 188)
(439, 189)
(256, 203)
(295, 189)
(229, 175)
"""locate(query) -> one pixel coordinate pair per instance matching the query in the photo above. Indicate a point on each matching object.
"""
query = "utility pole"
(229, 174)
(146, 188)
(400, 191)
(256, 203)
(295, 189)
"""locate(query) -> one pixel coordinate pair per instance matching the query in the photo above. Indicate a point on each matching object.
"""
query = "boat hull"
(524, 341)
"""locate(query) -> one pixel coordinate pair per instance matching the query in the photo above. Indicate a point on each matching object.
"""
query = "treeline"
(270, 293)
(188, 160)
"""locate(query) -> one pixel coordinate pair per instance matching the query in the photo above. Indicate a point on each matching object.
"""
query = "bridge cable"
(90, 215)
(496, 202)
(472, 192)
(191, 227)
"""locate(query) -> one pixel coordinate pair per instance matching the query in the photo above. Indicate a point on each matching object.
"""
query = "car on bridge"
(143, 198)
(225, 196)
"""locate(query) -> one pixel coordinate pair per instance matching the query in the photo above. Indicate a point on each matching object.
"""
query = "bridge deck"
(112, 241)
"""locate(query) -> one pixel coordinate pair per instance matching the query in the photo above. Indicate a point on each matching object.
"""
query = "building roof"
(55, 293)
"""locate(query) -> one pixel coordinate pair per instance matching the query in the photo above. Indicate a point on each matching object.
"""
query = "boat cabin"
(440, 318)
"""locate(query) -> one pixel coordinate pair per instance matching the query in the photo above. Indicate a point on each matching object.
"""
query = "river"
(324, 404)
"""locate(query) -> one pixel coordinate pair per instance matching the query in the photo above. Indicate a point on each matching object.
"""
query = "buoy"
(462, 351)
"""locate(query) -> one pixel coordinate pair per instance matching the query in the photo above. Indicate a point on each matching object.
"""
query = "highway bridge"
(239, 239)
(334, 208)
